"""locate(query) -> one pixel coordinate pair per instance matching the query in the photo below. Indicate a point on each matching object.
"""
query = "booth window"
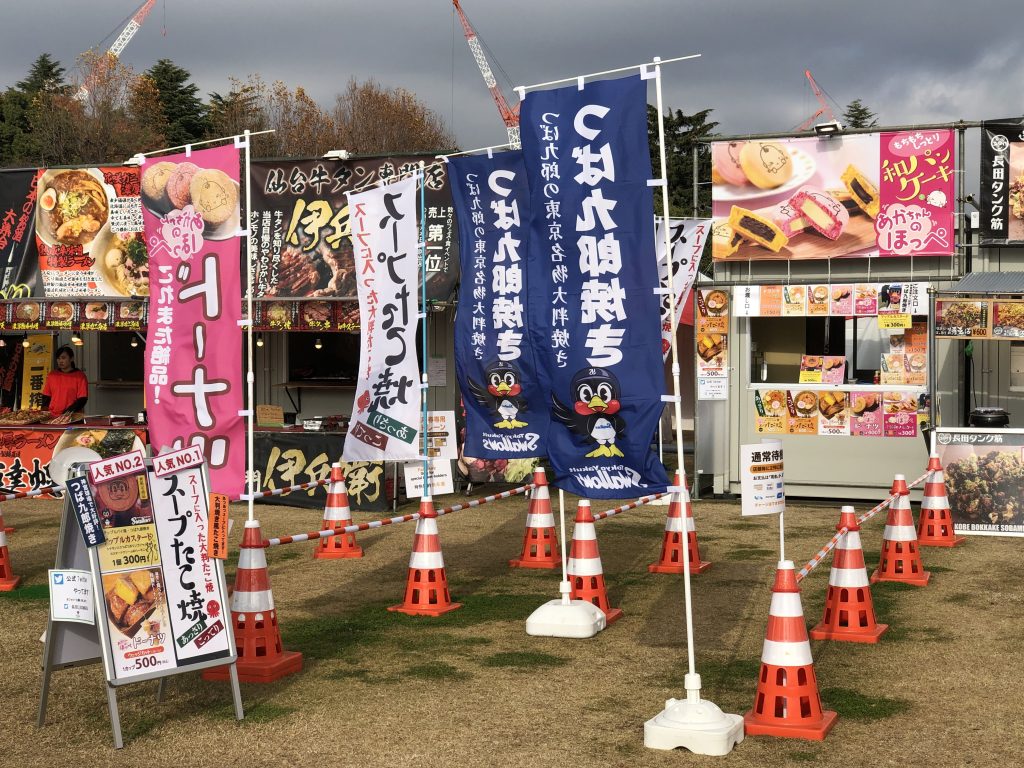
(337, 360)
(119, 361)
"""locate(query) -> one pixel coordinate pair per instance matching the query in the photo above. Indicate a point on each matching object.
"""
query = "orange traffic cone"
(540, 544)
(586, 575)
(337, 515)
(935, 526)
(4, 527)
(8, 580)
(671, 560)
(787, 703)
(261, 656)
(901, 558)
(426, 590)
(849, 610)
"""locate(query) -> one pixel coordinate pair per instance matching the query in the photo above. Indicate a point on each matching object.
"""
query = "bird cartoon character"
(502, 396)
(594, 414)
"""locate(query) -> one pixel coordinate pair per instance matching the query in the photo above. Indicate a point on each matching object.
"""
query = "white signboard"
(761, 480)
(71, 596)
(441, 480)
(686, 239)
(441, 435)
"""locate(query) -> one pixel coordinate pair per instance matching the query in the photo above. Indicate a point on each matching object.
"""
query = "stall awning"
(988, 284)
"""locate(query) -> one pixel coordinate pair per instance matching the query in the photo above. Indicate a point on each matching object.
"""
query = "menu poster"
(866, 414)
(1008, 319)
(771, 301)
(817, 300)
(841, 301)
(833, 369)
(712, 311)
(802, 411)
(900, 414)
(893, 369)
(865, 300)
(712, 355)
(771, 411)
(811, 369)
(834, 409)
(794, 300)
(960, 319)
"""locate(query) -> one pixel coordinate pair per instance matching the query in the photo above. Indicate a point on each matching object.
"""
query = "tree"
(45, 76)
(857, 115)
(237, 111)
(183, 111)
(373, 119)
(45, 79)
(683, 134)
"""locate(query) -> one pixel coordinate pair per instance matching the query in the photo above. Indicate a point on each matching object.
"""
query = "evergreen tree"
(184, 113)
(44, 81)
(857, 115)
(683, 133)
(45, 76)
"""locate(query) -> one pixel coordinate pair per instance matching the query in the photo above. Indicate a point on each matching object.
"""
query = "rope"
(282, 491)
(626, 507)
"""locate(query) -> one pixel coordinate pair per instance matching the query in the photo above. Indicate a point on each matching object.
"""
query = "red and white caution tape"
(356, 527)
(282, 491)
(31, 494)
(626, 507)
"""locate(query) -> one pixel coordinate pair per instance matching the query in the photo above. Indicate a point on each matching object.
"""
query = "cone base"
(701, 727)
(695, 567)
(11, 529)
(424, 610)
(8, 585)
(260, 670)
(918, 581)
(337, 554)
(810, 731)
(524, 563)
(576, 619)
(822, 632)
(612, 615)
(953, 542)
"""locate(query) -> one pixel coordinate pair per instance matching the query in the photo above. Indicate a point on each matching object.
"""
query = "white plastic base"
(697, 725)
(576, 618)
(664, 501)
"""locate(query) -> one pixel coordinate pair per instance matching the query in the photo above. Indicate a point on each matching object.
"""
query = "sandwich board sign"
(160, 599)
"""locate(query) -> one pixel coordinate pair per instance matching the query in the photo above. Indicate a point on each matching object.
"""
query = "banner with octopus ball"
(506, 412)
(593, 313)
(193, 362)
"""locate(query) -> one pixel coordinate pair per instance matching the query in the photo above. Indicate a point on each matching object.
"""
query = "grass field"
(472, 689)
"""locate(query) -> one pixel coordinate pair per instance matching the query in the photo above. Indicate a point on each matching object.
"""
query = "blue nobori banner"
(593, 314)
(507, 414)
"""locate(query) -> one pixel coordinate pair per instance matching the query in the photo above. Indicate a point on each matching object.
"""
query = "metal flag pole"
(423, 320)
(696, 724)
(250, 377)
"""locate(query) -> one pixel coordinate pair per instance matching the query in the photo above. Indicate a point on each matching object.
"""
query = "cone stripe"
(426, 560)
(675, 525)
(900, 533)
(3, 533)
(584, 549)
(935, 502)
(849, 543)
(590, 566)
(542, 520)
(785, 605)
(251, 559)
(849, 578)
(252, 601)
(786, 654)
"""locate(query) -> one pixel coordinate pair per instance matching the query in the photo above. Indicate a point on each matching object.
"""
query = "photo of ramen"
(123, 262)
(97, 310)
(27, 312)
(130, 310)
(72, 208)
(61, 311)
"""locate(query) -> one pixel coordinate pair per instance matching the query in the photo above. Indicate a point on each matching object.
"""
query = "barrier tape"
(282, 491)
(32, 494)
(355, 527)
(823, 552)
(626, 507)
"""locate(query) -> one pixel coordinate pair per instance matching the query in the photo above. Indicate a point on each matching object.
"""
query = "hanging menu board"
(834, 300)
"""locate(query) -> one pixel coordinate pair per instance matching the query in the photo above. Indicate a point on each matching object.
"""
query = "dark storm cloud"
(909, 61)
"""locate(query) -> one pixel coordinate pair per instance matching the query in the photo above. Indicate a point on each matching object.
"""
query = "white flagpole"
(423, 319)
(250, 378)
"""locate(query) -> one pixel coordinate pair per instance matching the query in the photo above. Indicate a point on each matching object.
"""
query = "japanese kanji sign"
(506, 411)
(686, 239)
(1002, 182)
(386, 424)
(761, 478)
(592, 271)
(301, 221)
(18, 262)
(193, 363)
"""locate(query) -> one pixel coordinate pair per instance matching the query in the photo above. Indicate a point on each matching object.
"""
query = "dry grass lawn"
(472, 689)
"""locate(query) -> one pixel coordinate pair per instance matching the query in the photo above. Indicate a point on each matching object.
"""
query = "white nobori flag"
(686, 239)
(387, 410)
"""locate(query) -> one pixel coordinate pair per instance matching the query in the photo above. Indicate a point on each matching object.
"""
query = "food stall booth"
(816, 330)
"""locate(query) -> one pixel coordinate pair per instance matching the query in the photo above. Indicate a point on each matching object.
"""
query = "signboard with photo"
(984, 474)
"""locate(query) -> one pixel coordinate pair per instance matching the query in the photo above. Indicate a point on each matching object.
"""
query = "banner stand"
(68, 644)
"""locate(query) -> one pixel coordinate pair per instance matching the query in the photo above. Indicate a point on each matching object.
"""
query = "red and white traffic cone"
(787, 703)
(261, 656)
(671, 560)
(8, 581)
(935, 526)
(901, 557)
(586, 575)
(849, 609)
(540, 543)
(337, 515)
(426, 589)
(3, 526)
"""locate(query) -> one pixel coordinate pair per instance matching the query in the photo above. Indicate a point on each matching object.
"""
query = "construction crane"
(127, 33)
(823, 106)
(509, 115)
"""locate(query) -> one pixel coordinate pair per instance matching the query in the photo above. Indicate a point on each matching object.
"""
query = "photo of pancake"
(215, 196)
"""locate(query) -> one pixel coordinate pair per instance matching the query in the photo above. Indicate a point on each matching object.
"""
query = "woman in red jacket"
(66, 389)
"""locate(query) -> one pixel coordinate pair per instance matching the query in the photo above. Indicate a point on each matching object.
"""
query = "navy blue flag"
(593, 313)
(506, 414)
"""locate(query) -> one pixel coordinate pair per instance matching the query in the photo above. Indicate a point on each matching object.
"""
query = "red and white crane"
(125, 37)
(509, 115)
(824, 109)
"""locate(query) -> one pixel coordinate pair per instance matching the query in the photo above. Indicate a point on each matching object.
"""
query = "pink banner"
(916, 193)
(193, 344)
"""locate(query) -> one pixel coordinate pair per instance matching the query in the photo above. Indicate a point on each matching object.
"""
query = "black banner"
(1002, 182)
(19, 260)
(283, 459)
(301, 226)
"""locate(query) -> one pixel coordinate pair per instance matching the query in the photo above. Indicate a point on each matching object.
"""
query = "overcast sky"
(911, 61)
